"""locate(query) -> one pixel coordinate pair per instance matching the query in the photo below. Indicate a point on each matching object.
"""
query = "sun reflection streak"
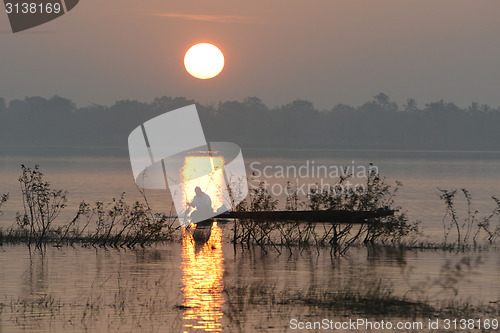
(202, 279)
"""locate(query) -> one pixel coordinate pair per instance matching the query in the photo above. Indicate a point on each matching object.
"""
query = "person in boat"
(202, 204)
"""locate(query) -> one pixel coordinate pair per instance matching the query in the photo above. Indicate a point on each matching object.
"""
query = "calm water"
(183, 286)
(103, 178)
(180, 287)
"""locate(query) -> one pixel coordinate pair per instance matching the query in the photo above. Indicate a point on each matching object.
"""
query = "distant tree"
(411, 105)
(382, 99)
(474, 107)
(371, 108)
(442, 107)
(166, 103)
(61, 105)
(255, 104)
(385, 102)
(299, 106)
(436, 107)
(486, 108)
(343, 108)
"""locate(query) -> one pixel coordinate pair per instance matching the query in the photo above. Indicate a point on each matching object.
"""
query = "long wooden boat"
(324, 216)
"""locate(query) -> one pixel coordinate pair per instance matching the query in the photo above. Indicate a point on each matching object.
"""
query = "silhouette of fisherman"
(203, 205)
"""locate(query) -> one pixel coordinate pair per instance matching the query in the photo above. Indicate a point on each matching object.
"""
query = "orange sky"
(326, 51)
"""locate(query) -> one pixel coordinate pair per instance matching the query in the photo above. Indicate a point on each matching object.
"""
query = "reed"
(114, 223)
(469, 228)
(375, 195)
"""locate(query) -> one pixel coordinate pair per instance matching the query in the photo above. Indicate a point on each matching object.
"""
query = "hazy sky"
(326, 51)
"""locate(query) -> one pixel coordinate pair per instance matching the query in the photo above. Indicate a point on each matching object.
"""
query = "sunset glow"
(204, 61)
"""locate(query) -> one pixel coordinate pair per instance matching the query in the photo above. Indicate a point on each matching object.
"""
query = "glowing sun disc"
(204, 61)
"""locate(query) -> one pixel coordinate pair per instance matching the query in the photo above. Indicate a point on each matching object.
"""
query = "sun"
(204, 61)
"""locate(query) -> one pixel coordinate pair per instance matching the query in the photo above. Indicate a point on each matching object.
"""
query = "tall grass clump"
(114, 223)
(3, 199)
(375, 196)
(251, 231)
(119, 223)
(42, 205)
(469, 228)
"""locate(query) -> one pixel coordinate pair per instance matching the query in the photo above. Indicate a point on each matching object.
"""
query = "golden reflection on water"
(202, 279)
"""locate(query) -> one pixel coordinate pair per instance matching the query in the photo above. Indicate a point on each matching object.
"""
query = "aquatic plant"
(376, 195)
(41, 204)
(468, 228)
(121, 224)
(259, 199)
(115, 223)
(3, 199)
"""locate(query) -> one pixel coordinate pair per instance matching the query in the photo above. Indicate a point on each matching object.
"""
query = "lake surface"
(185, 286)
(422, 173)
(179, 287)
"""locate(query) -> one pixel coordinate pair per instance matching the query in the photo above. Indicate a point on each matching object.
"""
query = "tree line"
(377, 124)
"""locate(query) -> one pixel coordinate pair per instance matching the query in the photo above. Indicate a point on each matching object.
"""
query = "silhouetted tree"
(411, 105)
(385, 102)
